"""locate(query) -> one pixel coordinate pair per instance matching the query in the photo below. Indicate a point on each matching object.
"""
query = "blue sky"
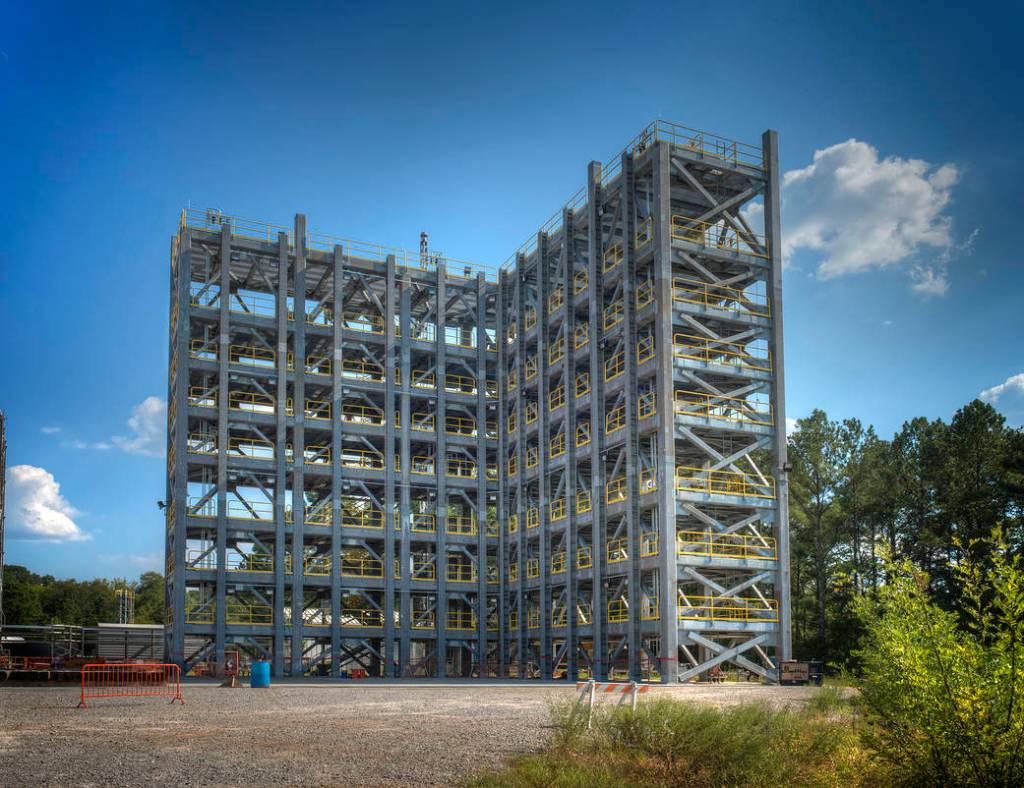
(900, 127)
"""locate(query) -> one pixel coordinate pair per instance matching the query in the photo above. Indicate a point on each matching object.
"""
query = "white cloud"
(36, 510)
(860, 212)
(148, 424)
(791, 426)
(144, 562)
(1012, 385)
(50, 430)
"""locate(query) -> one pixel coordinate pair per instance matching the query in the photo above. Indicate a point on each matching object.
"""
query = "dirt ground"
(352, 733)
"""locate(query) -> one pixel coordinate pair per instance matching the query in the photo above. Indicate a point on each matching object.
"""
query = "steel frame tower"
(573, 466)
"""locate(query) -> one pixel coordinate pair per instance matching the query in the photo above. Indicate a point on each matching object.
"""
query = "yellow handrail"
(723, 482)
(718, 351)
(707, 608)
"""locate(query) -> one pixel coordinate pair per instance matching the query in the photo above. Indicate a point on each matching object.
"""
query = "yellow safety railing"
(361, 617)
(460, 572)
(460, 384)
(241, 613)
(705, 543)
(530, 366)
(363, 414)
(459, 425)
(422, 466)
(365, 371)
(556, 299)
(513, 620)
(361, 564)
(557, 509)
(614, 366)
(708, 295)
(513, 523)
(423, 379)
(532, 567)
(644, 233)
(648, 544)
(356, 321)
(317, 565)
(617, 550)
(242, 509)
(513, 465)
(532, 411)
(460, 525)
(250, 402)
(556, 351)
(422, 523)
(583, 502)
(362, 459)
(529, 318)
(463, 620)
(646, 405)
(582, 433)
(533, 619)
(714, 406)
(556, 447)
(460, 469)
(723, 482)
(532, 517)
(645, 349)
(556, 398)
(558, 562)
(582, 384)
(423, 569)
(321, 516)
(314, 455)
(717, 351)
(201, 444)
(580, 281)
(559, 615)
(706, 144)
(613, 314)
(423, 619)
(718, 235)
(618, 611)
(644, 293)
(250, 448)
(612, 256)
(581, 335)
(251, 355)
(615, 419)
(707, 608)
(615, 490)
(203, 350)
(584, 557)
(362, 518)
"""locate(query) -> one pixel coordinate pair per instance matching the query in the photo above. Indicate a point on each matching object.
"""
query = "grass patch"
(674, 743)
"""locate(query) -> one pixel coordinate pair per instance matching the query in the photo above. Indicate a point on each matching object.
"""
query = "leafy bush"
(943, 697)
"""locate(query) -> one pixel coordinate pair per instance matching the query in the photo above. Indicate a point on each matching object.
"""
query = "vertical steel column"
(178, 496)
(568, 261)
(520, 300)
(223, 354)
(405, 456)
(280, 453)
(595, 295)
(664, 397)
(337, 438)
(441, 471)
(543, 447)
(631, 445)
(387, 647)
(482, 601)
(299, 445)
(772, 213)
(501, 509)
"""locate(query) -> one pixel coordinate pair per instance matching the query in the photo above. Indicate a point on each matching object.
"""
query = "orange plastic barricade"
(136, 680)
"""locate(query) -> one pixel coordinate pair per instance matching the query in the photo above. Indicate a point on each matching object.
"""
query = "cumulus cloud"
(1012, 385)
(148, 424)
(36, 510)
(50, 430)
(861, 212)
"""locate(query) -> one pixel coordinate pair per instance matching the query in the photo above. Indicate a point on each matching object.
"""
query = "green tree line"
(921, 497)
(43, 599)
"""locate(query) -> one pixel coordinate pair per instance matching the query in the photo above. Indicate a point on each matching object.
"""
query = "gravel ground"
(354, 733)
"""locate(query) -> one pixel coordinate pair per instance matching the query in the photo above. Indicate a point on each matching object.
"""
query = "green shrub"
(943, 698)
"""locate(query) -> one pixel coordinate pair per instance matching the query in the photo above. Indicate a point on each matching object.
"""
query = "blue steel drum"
(260, 675)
